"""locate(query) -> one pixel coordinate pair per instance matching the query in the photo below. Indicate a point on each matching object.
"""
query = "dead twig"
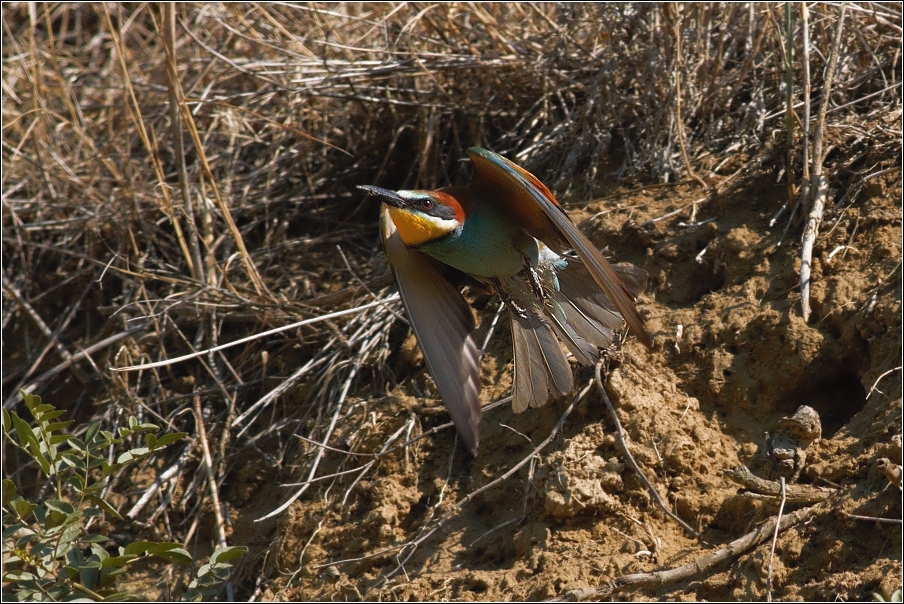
(804, 198)
(792, 493)
(819, 183)
(781, 508)
(679, 124)
(212, 483)
(875, 519)
(176, 100)
(158, 483)
(874, 388)
(199, 353)
(84, 354)
(666, 577)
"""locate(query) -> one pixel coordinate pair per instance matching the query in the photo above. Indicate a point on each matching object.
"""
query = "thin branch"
(15, 397)
(818, 183)
(679, 64)
(665, 577)
(781, 508)
(212, 483)
(196, 267)
(875, 519)
(327, 317)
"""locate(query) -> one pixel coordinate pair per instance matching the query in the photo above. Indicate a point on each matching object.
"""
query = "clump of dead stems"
(179, 178)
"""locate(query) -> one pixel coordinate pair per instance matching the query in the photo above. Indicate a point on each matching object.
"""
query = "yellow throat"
(415, 228)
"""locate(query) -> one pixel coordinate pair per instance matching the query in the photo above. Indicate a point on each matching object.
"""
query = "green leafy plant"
(49, 552)
(210, 576)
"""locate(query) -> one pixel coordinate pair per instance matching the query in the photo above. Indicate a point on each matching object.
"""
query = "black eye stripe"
(431, 207)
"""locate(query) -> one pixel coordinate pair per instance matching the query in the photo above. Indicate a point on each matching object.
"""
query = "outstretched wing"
(444, 327)
(524, 196)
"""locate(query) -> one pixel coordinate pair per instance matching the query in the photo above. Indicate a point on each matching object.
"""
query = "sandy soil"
(732, 357)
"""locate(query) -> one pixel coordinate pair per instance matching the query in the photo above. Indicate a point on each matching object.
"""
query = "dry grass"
(155, 204)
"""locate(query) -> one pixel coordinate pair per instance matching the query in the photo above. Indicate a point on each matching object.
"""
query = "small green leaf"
(78, 482)
(91, 432)
(73, 460)
(23, 430)
(228, 554)
(56, 439)
(124, 432)
(12, 557)
(59, 506)
(53, 520)
(203, 572)
(77, 443)
(42, 409)
(27, 439)
(23, 508)
(12, 529)
(118, 561)
(94, 461)
(168, 439)
(139, 548)
(23, 541)
(52, 415)
(71, 532)
(132, 455)
(19, 575)
(31, 400)
(106, 507)
(9, 490)
(65, 544)
(90, 573)
(133, 421)
(176, 555)
(145, 428)
(92, 512)
(39, 457)
(94, 538)
(98, 553)
(150, 440)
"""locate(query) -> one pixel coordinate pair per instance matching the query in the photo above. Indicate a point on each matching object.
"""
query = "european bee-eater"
(507, 230)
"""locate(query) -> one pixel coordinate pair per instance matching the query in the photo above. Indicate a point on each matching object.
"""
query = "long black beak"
(384, 195)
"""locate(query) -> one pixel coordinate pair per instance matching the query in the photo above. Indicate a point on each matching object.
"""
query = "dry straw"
(177, 180)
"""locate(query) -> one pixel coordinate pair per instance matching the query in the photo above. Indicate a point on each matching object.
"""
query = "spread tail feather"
(541, 369)
(582, 316)
(575, 312)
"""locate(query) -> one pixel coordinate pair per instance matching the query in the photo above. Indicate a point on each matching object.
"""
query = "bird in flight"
(504, 229)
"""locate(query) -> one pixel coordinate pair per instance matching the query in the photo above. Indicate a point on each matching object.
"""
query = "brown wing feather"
(524, 196)
(444, 327)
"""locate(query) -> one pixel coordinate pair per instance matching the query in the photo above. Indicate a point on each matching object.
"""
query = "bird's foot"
(534, 279)
(509, 302)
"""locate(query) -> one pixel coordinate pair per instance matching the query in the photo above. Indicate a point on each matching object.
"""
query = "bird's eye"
(426, 203)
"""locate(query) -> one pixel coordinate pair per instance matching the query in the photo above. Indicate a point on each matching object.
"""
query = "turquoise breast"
(488, 245)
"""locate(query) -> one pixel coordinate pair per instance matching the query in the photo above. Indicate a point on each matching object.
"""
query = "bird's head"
(421, 216)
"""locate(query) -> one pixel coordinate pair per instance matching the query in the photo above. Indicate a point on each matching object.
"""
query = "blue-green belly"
(487, 245)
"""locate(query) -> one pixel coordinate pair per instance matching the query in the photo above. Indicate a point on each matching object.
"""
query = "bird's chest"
(487, 245)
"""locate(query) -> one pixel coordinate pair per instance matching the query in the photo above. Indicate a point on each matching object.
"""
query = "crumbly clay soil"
(731, 357)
